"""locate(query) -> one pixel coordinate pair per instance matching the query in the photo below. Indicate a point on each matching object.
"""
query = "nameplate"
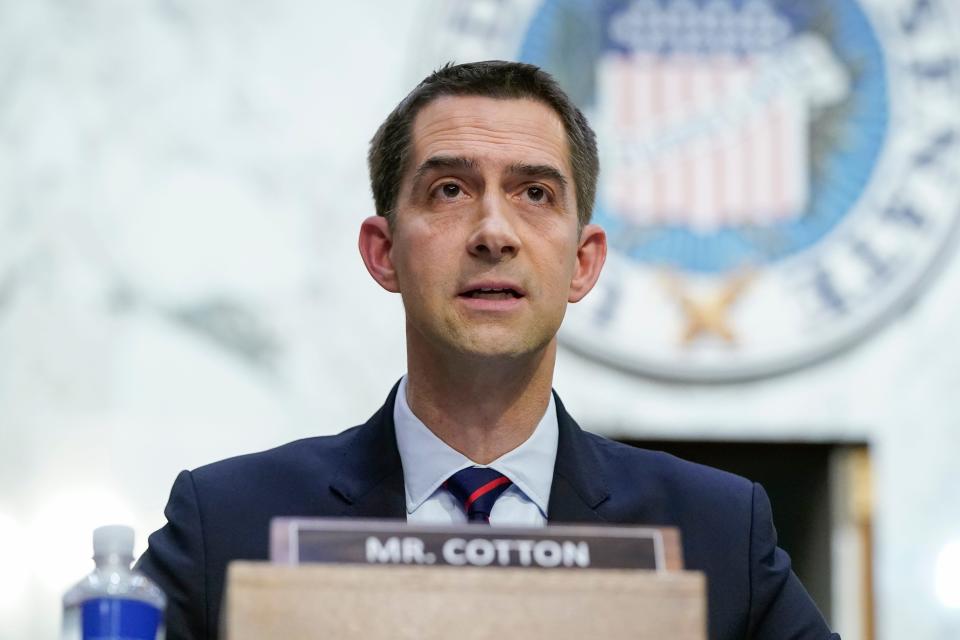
(390, 542)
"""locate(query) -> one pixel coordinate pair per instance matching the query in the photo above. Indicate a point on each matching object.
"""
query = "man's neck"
(482, 408)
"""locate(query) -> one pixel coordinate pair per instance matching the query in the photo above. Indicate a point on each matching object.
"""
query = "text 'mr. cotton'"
(479, 552)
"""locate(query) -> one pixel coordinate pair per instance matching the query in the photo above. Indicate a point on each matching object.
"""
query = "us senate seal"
(777, 178)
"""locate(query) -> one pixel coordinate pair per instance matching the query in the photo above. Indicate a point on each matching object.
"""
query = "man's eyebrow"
(541, 171)
(443, 162)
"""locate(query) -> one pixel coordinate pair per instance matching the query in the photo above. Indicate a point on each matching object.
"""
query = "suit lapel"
(579, 487)
(370, 477)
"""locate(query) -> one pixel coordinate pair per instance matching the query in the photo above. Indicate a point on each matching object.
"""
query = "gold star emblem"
(708, 315)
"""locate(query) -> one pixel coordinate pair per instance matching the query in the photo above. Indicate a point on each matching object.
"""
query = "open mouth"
(492, 294)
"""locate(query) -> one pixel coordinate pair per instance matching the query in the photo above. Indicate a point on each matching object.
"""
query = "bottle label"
(117, 619)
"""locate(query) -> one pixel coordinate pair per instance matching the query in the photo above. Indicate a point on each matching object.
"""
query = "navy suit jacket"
(221, 512)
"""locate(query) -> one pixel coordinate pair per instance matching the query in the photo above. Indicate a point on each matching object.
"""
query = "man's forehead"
(503, 131)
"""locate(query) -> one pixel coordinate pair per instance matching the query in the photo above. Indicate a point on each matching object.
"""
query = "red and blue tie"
(477, 488)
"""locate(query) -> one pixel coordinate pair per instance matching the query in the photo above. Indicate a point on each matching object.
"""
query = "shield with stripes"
(706, 113)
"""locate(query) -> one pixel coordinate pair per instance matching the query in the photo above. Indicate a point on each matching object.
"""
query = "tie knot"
(477, 488)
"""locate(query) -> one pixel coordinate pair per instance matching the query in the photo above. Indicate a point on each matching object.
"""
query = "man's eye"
(450, 190)
(536, 194)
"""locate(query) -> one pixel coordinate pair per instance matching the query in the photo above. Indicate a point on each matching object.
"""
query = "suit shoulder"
(314, 455)
(623, 462)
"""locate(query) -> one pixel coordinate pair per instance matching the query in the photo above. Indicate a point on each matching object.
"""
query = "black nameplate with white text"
(385, 542)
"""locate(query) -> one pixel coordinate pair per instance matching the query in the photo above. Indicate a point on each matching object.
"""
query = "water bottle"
(113, 602)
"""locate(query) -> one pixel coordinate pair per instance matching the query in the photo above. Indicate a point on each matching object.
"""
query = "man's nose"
(494, 237)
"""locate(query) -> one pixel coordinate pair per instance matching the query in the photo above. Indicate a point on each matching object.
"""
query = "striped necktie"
(477, 488)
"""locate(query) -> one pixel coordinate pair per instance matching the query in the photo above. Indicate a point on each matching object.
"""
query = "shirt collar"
(428, 461)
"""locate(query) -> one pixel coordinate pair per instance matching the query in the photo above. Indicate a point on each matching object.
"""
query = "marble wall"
(181, 185)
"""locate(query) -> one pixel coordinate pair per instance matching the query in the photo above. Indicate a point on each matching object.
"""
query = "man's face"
(485, 248)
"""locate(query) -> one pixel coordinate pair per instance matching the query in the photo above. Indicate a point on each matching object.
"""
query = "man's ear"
(375, 243)
(591, 254)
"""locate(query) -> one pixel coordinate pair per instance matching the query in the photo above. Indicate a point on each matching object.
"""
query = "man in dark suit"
(484, 180)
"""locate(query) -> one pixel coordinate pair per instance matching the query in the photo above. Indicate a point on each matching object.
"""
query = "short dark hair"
(390, 146)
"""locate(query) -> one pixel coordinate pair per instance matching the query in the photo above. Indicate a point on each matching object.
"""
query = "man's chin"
(482, 344)
(502, 348)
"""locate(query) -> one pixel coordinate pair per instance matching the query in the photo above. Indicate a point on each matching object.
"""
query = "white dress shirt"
(428, 461)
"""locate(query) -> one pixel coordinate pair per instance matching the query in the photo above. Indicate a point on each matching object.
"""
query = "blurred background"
(181, 186)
